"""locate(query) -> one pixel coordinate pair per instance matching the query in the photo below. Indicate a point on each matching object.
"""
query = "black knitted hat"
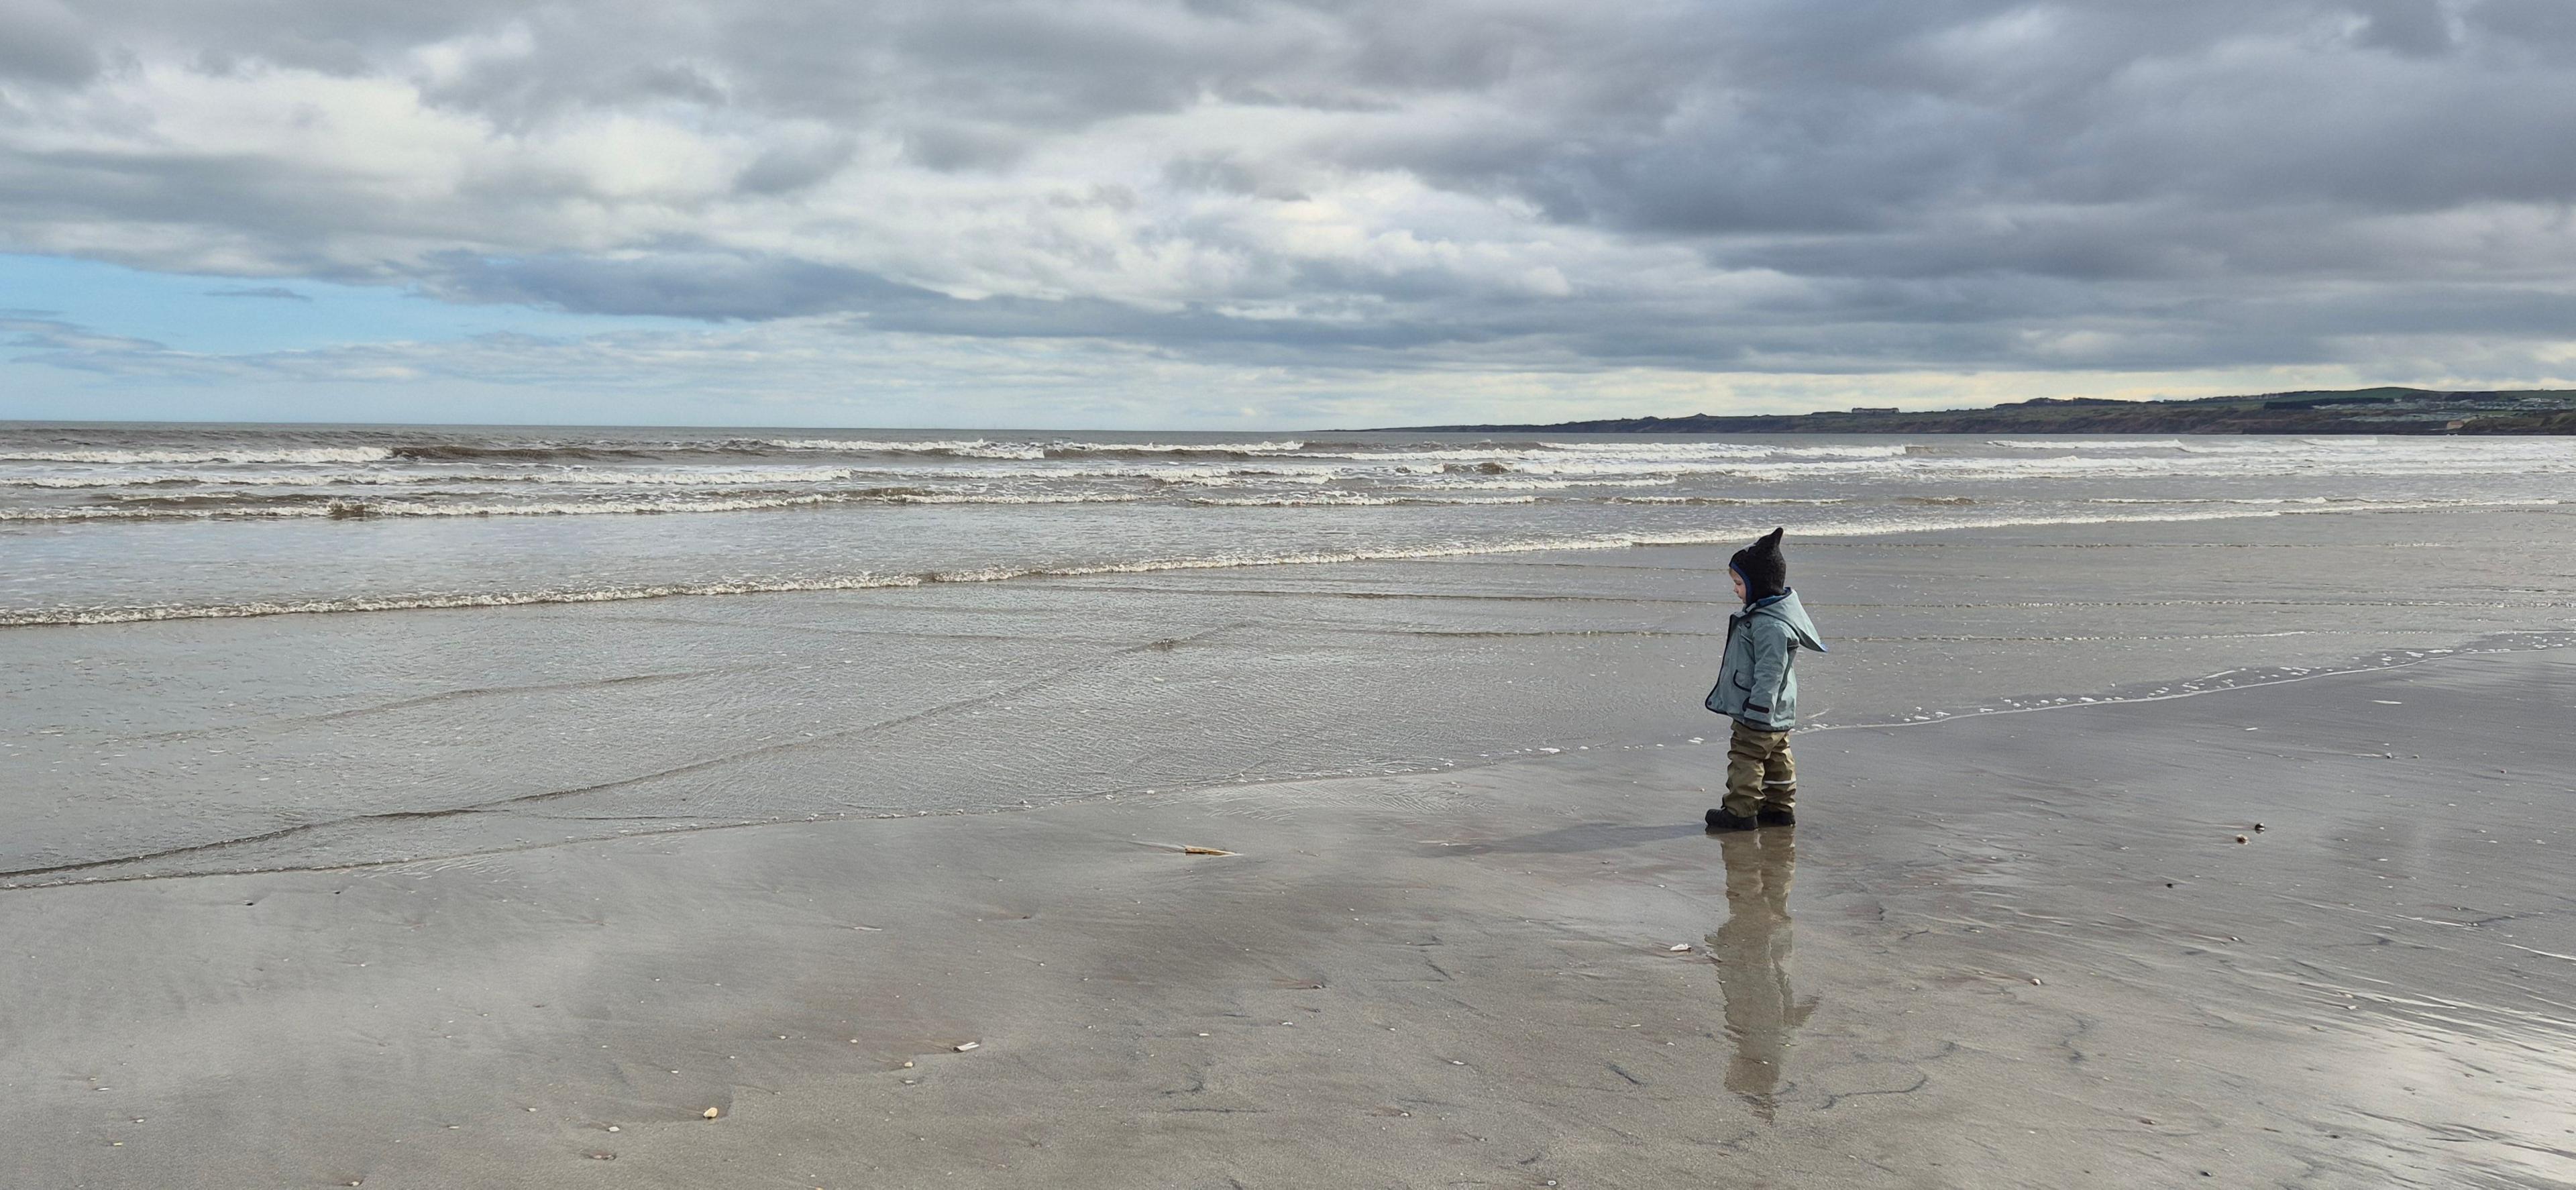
(1765, 572)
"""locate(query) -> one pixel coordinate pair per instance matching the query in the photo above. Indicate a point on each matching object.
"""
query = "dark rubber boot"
(1777, 818)
(1720, 820)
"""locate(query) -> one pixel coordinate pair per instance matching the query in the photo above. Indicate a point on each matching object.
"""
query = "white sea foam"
(360, 509)
(1684, 451)
(973, 448)
(1721, 501)
(1350, 500)
(691, 477)
(1264, 447)
(314, 454)
(2262, 446)
(582, 476)
(981, 448)
(1021, 498)
(2087, 443)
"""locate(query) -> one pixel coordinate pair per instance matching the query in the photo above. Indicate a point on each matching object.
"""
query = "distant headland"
(2355, 411)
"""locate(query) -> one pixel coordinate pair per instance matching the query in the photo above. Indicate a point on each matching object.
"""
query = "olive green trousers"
(1759, 773)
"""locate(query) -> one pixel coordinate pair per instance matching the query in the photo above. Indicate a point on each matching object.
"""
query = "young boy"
(1757, 687)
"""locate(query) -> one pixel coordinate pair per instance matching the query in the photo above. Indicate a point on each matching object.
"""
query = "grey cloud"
(714, 286)
(1746, 185)
(273, 292)
(675, 284)
(41, 41)
(789, 168)
(46, 338)
(2416, 28)
(2544, 26)
(959, 144)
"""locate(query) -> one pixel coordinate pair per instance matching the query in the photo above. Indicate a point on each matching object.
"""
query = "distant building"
(1873, 408)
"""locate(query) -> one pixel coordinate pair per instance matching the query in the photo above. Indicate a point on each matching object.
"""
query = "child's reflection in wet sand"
(1752, 951)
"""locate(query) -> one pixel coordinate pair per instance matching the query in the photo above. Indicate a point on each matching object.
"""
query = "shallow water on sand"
(298, 741)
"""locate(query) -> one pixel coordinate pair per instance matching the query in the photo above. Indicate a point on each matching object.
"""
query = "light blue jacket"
(1757, 684)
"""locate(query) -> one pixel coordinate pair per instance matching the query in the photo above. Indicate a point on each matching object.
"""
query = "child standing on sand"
(1757, 687)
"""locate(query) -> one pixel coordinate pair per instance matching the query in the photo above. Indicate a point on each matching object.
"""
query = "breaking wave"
(979, 448)
(2086, 443)
(222, 506)
(313, 454)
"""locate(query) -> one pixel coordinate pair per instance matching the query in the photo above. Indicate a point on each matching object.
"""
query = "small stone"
(971, 1045)
(2243, 839)
(712, 1112)
(2034, 982)
(1679, 947)
(612, 1128)
(907, 1065)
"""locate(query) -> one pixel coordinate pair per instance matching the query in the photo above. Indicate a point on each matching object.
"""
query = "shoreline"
(12, 619)
(2022, 955)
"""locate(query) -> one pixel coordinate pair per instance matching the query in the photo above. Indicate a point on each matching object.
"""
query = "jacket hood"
(1786, 609)
(1764, 571)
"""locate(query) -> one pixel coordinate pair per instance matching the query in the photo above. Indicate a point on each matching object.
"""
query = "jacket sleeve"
(1769, 646)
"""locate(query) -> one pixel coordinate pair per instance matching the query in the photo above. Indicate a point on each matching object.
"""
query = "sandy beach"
(2015, 941)
(1269, 595)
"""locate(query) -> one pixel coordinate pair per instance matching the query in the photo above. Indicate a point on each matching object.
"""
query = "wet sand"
(2007, 949)
(309, 741)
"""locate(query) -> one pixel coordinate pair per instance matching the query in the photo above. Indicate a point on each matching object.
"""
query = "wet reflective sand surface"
(2055, 968)
(200, 746)
(1752, 953)
(2020, 949)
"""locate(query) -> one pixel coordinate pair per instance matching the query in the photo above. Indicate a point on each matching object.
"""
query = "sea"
(249, 648)
(108, 523)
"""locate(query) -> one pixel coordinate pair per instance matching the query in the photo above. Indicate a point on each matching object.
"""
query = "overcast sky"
(1220, 213)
